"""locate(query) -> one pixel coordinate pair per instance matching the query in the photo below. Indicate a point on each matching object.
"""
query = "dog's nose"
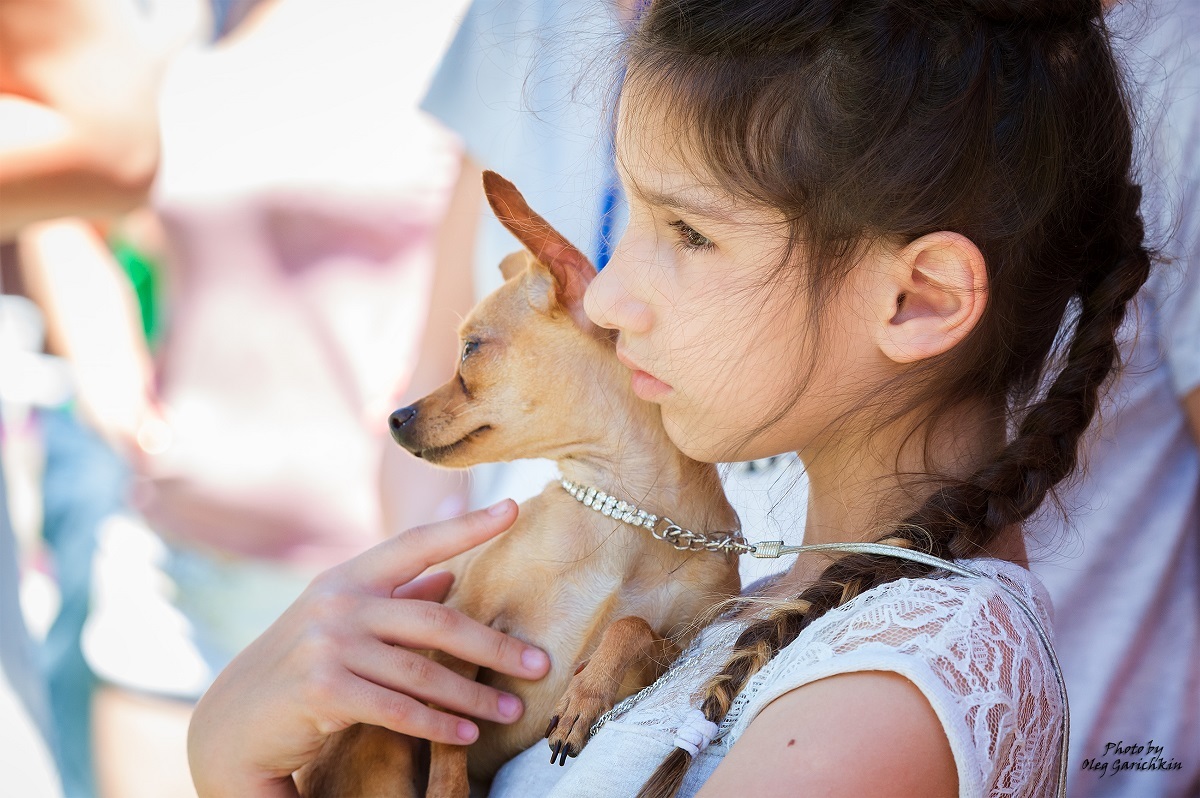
(398, 420)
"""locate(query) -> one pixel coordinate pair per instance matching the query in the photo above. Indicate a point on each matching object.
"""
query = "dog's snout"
(399, 419)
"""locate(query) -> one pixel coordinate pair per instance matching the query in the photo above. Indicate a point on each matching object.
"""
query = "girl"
(896, 237)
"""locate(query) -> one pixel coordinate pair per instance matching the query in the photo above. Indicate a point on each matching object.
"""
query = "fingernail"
(508, 705)
(466, 731)
(534, 659)
(499, 508)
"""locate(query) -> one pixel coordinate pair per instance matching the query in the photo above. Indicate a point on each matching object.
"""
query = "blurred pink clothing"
(301, 190)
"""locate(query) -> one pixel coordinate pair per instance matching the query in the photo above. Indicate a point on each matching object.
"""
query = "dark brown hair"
(1002, 120)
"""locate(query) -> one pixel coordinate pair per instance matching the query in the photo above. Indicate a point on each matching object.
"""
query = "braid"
(1045, 449)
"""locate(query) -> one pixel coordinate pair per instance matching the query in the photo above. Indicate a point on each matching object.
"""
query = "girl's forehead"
(659, 164)
(661, 167)
(651, 155)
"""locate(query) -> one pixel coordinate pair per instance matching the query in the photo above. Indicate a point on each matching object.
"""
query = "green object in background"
(144, 273)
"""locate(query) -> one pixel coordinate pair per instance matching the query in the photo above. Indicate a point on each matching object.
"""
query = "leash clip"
(767, 549)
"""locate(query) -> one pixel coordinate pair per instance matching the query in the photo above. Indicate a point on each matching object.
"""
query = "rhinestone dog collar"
(660, 527)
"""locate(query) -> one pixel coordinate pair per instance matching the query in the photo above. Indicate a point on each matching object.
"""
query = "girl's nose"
(613, 299)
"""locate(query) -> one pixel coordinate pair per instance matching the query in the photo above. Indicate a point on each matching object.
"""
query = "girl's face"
(713, 329)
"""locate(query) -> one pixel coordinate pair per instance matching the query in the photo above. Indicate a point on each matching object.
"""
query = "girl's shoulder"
(966, 643)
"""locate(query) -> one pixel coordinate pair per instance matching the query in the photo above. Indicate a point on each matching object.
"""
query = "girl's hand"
(334, 658)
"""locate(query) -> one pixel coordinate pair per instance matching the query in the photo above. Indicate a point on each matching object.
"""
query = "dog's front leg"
(448, 763)
(628, 642)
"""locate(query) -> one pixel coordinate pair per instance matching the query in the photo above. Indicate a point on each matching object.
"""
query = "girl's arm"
(866, 733)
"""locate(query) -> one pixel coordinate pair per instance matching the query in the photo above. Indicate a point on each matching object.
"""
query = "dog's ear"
(571, 269)
(513, 264)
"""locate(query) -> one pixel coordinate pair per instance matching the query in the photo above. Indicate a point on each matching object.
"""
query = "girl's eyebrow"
(686, 206)
(675, 202)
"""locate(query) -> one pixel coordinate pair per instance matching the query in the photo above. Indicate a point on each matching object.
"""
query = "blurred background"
(237, 235)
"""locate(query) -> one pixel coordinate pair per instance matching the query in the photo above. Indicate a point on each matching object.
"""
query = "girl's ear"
(933, 294)
(570, 268)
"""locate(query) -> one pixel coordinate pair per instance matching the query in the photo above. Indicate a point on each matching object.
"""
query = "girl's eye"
(469, 348)
(689, 237)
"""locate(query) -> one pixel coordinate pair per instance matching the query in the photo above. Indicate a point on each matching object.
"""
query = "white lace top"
(963, 641)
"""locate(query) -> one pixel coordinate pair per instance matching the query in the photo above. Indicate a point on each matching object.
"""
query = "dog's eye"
(469, 347)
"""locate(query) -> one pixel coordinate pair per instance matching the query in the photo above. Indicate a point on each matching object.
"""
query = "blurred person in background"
(299, 201)
(78, 137)
(1124, 574)
(94, 324)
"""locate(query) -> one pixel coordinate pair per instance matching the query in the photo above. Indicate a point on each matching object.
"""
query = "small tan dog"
(610, 603)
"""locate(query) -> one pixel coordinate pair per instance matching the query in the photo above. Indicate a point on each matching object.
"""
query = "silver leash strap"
(770, 549)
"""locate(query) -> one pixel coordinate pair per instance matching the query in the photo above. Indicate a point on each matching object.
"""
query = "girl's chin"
(694, 445)
(701, 442)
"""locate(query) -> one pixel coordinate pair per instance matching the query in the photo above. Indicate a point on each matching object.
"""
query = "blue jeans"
(84, 483)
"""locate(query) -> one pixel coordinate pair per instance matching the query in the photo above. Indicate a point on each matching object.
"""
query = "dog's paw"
(573, 718)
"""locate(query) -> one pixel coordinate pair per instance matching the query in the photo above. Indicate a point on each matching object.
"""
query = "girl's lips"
(647, 387)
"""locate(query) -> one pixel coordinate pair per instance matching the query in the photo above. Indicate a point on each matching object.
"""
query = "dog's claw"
(554, 754)
(553, 725)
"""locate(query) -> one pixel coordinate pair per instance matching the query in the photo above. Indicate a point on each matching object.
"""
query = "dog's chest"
(558, 583)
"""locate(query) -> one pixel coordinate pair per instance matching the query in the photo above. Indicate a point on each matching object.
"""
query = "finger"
(430, 587)
(419, 676)
(401, 558)
(378, 706)
(429, 625)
